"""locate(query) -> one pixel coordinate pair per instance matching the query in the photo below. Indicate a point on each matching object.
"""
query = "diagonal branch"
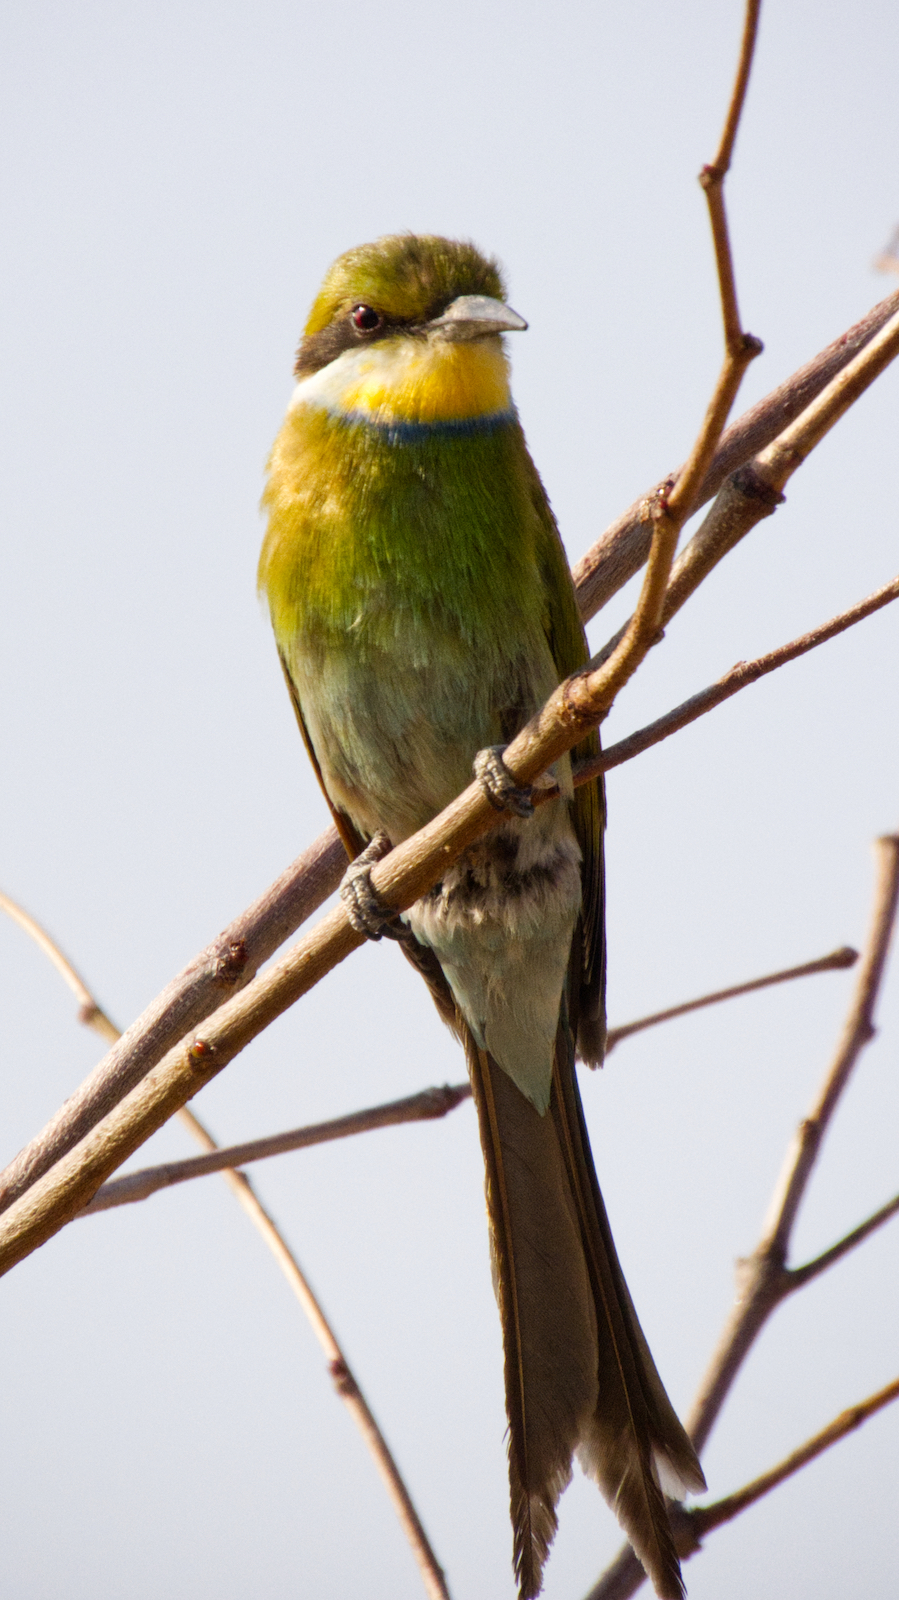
(223, 968)
(764, 1279)
(232, 959)
(93, 1016)
(702, 1519)
(622, 549)
(756, 490)
(426, 1106)
(739, 677)
(844, 957)
(800, 1276)
(690, 1526)
(858, 1031)
(348, 1389)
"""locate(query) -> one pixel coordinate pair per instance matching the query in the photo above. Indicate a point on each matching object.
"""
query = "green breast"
(407, 581)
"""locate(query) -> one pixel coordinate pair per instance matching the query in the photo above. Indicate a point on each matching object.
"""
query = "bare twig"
(690, 1526)
(702, 1519)
(224, 966)
(764, 1279)
(425, 1106)
(844, 957)
(344, 1382)
(888, 260)
(712, 179)
(739, 677)
(93, 1016)
(800, 1276)
(232, 959)
(756, 490)
(622, 549)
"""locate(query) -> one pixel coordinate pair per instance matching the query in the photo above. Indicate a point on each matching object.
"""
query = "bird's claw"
(367, 914)
(498, 784)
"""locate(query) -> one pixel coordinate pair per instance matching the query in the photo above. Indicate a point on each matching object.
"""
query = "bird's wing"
(352, 841)
(565, 635)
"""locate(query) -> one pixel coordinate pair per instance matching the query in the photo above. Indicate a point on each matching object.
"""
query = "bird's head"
(405, 286)
(404, 335)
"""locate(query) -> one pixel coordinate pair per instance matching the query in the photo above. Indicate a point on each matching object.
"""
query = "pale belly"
(395, 745)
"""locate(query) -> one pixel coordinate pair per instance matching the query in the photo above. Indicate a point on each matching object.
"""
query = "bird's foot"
(498, 784)
(368, 915)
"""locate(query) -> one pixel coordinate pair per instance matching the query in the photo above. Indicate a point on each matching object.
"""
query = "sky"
(176, 180)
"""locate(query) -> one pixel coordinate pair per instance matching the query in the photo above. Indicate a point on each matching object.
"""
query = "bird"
(423, 611)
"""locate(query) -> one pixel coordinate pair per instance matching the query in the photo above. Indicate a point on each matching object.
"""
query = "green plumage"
(423, 610)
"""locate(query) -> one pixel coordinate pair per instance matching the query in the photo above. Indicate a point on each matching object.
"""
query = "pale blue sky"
(176, 180)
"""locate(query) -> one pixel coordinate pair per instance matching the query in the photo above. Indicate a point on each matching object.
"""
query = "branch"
(425, 1106)
(691, 1526)
(739, 677)
(224, 966)
(702, 1519)
(764, 1279)
(92, 1016)
(844, 957)
(756, 490)
(622, 549)
(344, 1382)
(800, 1276)
(858, 1031)
(231, 960)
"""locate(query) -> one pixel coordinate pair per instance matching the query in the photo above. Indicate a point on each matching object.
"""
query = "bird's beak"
(474, 316)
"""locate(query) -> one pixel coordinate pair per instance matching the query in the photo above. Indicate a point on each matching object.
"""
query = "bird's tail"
(579, 1376)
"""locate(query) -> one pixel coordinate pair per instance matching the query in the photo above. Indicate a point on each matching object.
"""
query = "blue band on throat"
(421, 432)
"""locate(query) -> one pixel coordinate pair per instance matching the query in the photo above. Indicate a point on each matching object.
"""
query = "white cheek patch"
(326, 389)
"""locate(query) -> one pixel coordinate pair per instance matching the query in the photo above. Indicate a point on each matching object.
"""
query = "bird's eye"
(366, 319)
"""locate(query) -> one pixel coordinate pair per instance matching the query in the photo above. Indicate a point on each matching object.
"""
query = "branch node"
(343, 1379)
(230, 962)
(200, 1054)
(754, 486)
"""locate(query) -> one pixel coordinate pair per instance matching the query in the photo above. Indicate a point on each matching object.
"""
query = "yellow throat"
(413, 380)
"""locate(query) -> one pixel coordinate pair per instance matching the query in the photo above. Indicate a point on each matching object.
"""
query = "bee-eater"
(423, 611)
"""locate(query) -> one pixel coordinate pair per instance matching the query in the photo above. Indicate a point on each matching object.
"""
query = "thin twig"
(425, 1106)
(739, 677)
(800, 1276)
(225, 966)
(235, 956)
(844, 957)
(622, 549)
(93, 1016)
(345, 1383)
(764, 1280)
(691, 1526)
(888, 260)
(756, 490)
(702, 1519)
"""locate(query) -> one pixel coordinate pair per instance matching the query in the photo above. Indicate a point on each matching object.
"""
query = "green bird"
(423, 611)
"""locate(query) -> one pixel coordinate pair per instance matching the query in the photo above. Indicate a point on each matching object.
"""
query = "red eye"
(366, 319)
